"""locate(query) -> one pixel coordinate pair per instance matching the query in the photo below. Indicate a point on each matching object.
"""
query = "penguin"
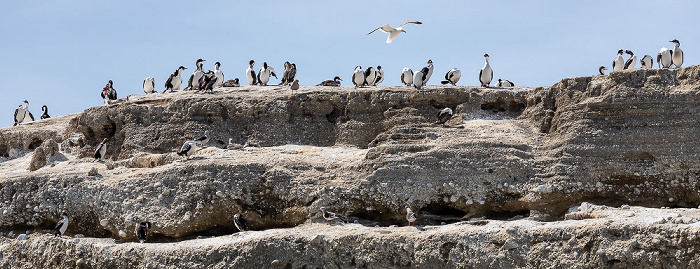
(295, 86)
(619, 63)
(486, 73)
(677, 53)
(419, 77)
(443, 116)
(174, 80)
(45, 112)
(250, 73)
(664, 58)
(430, 72)
(22, 112)
(358, 77)
(603, 68)
(219, 75)
(629, 64)
(142, 230)
(265, 73)
(370, 76)
(504, 83)
(101, 149)
(380, 76)
(187, 149)
(452, 77)
(203, 140)
(240, 222)
(407, 76)
(61, 226)
(108, 93)
(149, 84)
(647, 62)
(193, 83)
(335, 82)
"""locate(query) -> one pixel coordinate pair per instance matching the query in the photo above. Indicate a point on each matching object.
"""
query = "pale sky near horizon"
(61, 53)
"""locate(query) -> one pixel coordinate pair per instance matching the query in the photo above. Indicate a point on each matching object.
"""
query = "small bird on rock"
(142, 230)
(443, 116)
(62, 225)
(329, 216)
(203, 140)
(240, 222)
(295, 86)
(410, 216)
(101, 149)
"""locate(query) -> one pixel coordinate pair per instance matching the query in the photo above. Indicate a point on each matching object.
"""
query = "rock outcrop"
(625, 138)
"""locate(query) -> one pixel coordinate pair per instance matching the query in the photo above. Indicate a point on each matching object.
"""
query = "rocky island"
(591, 172)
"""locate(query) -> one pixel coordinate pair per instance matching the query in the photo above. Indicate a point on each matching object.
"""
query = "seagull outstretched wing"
(414, 22)
(385, 28)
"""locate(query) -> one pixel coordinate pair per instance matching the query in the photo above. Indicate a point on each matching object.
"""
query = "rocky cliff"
(510, 164)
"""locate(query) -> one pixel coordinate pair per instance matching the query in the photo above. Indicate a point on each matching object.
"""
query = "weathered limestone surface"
(533, 153)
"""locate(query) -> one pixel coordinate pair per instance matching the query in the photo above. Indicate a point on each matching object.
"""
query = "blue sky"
(61, 53)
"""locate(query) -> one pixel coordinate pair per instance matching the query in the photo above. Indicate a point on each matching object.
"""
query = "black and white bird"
(632, 61)
(370, 76)
(174, 80)
(203, 140)
(335, 82)
(429, 73)
(240, 222)
(452, 77)
(219, 75)
(603, 68)
(232, 83)
(149, 84)
(407, 76)
(647, 62)
(619, 63)
(443, 116)
(250, 73)
(294, 86)
(419, 77)
(61, 226)
(503, 83)
(393, 32)
(380, 76)
(329, 216)
(358, 77)
(207, 82)
(664, 58)
(187, 149)
(677, 54)
(265, 73)
(100, 150)
(410, 216)
(486, 73)
(142, 230)
(45, 112)
(108, 93)
(22, 113)
(193, 83)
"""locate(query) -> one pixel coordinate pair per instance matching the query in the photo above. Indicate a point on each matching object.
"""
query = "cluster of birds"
(330, 216)
(666, 58)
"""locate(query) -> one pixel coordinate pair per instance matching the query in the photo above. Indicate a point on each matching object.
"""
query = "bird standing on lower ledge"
(295, 86)
(62, 225)
(187, 149)
(240, 222)
(142, 230)
(410, 216)
(443, 116)
(100, 150)
(329, 216)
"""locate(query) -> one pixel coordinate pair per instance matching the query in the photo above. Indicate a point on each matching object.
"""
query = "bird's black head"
(200, 60)
(110, 83)
(337, 78)
(235, 80)
(675, 41)
(182, 67)
(26, 102)
(499, 80)
(44, 108)
(294, 65)
(629, 52)
(217, 64)
(486, 55)
(379, 67)
(620, 51)
(265, 65)
(358, 67)
(251, 62)
(64, 214)
(430, 61)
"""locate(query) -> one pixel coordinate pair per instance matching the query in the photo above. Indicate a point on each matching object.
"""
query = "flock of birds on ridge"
(210, 80)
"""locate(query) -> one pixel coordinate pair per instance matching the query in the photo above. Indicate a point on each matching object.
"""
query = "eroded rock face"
(625, 138)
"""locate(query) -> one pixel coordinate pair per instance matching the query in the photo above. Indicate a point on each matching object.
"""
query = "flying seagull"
(393, 32)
